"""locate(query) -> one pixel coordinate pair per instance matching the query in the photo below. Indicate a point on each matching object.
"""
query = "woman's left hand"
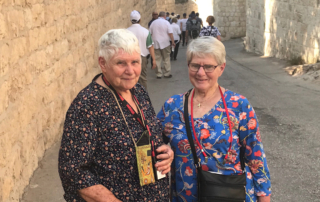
(166, 156)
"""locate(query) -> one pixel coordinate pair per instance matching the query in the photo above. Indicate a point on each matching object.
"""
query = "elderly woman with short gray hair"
(112, 140)
(215, 135)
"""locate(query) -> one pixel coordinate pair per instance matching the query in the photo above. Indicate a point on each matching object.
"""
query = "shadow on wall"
(290, 31)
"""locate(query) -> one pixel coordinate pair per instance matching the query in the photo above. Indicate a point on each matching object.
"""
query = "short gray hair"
(115, 40)
(162, 14)
(207, 46)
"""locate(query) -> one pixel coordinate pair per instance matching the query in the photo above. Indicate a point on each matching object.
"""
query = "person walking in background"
(199, 19)
(176, 32)
(162, 33)
(193, 28)
(146, 45)
(192, 13)
(167, 16)
(171, 17)
(154, 17)
(210, 30)
(183, 27)
(178, 17)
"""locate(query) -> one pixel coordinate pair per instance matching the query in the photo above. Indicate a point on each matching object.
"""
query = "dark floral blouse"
(209, 31)
(96, 147)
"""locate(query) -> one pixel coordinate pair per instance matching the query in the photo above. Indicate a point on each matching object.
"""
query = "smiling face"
(202, 80)
(122, 71)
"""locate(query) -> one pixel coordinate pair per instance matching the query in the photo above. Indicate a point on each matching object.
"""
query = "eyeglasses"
(207, 68)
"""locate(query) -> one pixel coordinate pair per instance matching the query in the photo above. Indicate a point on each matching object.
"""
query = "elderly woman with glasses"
(217, 136)
(112, 139)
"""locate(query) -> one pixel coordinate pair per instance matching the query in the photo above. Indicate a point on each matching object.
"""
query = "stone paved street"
(287, 108)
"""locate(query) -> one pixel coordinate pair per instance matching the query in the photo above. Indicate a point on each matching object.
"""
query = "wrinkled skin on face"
(122, 71)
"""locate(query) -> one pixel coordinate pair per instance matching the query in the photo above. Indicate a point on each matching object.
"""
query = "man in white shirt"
(145, 43)
(183, 27)
(161, 32)
(176, 36)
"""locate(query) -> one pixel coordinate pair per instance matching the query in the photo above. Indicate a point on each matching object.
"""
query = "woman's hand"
(166, 156)
(263, 198)
(97, 193)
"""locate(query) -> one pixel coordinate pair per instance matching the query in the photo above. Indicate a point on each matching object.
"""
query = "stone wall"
(230, 18)
(285, 29)
(47, 54)
(177, 6)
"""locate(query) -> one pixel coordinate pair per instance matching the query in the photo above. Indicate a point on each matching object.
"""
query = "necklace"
(199, 103)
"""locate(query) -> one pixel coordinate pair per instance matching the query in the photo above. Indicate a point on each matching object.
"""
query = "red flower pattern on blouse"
(258, 136)
(235, 104)
(205, 167)
(232, 156)
(257, 153)
(204, 134)
(238, 166)
(252, 124)
(185, 160)
(189, 171)
(255, 165)
(184, 146)
(168, 127)
(188, 192)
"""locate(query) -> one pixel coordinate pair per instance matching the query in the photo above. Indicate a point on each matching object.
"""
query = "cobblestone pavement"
(288, 112)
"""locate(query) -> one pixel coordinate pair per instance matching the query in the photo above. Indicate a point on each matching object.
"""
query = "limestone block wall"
(286, 29)
(178, 7)
(47, 54)
(230, 18)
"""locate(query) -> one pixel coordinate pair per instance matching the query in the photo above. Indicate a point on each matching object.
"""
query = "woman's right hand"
(166, 155)
(97, 193)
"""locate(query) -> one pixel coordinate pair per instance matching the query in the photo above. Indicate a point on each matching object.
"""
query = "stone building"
(285, 29)
(48, 53)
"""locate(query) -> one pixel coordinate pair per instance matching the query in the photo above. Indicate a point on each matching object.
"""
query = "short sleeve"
(149, 41)
(178, 28)
(170, 31)
(218, 33)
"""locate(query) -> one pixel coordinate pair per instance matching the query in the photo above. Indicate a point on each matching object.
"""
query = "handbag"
(211, 186)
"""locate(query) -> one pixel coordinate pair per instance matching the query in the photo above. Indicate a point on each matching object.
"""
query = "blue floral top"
(213, 133)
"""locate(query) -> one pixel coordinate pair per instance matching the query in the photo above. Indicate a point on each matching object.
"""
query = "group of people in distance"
(164, 36)
(111, 128)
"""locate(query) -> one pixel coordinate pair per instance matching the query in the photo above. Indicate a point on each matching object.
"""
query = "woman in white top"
(176, 32)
